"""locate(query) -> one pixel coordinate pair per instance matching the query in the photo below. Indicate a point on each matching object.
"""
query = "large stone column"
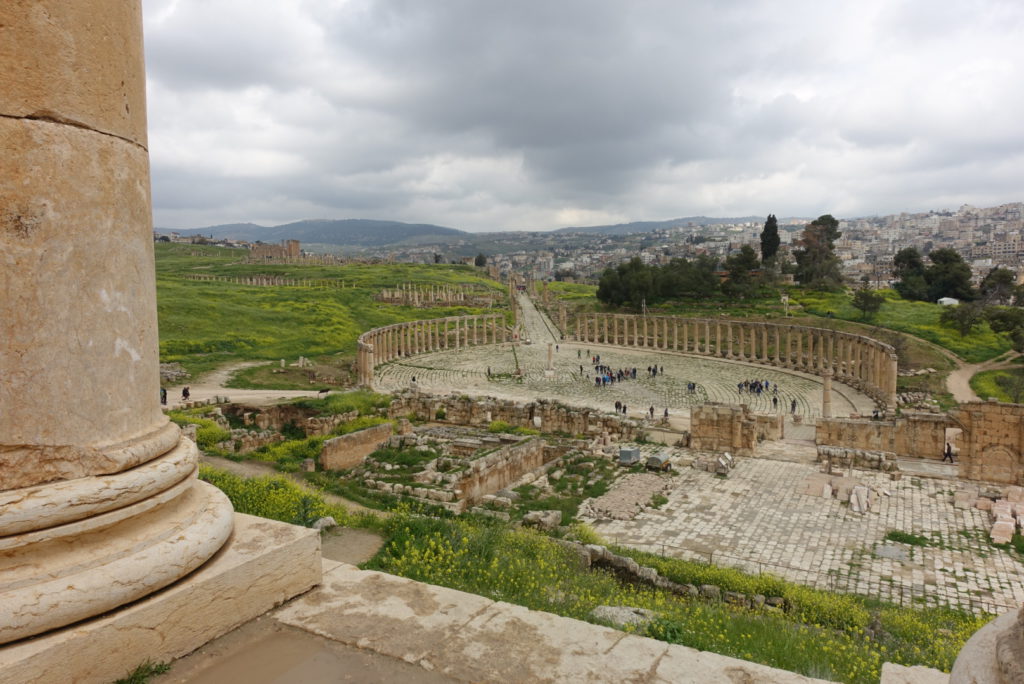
(99, 502)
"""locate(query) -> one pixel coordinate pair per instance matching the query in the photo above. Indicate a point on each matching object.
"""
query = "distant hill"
(352, 232)
(648, 226)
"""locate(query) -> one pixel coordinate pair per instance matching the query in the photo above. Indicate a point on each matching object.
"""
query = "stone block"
(964, 499)
(1002, 532)
(983, 504)
(263, 564)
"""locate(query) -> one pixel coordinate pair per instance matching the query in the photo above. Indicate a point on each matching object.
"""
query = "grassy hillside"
(205, 324)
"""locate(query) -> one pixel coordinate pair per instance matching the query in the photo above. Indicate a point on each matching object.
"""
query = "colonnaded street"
(466, 371)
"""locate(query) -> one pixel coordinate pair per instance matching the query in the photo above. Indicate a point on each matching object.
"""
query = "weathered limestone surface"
(994, 655)
(100, 502)
(79, 314)
(901, 674)
(992, 443)
(75, 62)
(264, 564)
(912, 435)
(714, 427)
(59, 579)
(471, 638)
(348, 451)
(61, 502)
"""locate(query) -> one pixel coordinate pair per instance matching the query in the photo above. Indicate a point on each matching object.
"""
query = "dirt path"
(213, 384)
(259, 469)
(959, 380)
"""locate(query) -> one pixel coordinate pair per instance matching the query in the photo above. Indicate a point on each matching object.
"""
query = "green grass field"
(206, 324)
(993, 383)
(920, 319)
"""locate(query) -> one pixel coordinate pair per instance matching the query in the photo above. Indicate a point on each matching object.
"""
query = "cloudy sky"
(537, 114)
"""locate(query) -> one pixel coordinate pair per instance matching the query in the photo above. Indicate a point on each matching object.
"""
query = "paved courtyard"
(757, 521)
(465, 371)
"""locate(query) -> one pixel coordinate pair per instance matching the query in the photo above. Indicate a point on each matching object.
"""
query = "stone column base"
(263, 564)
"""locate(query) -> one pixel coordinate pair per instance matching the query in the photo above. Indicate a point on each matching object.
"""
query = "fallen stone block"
(1002, 532)
(1014, 494)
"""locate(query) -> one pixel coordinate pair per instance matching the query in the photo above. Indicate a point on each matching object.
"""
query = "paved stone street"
(465, 371)
(757, 521)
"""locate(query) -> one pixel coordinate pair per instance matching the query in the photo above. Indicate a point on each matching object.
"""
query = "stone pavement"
(465, 371)
(757, 521)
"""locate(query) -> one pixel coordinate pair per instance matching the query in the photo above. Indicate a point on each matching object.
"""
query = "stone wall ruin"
(348, 451)
(546, 415)
(720, 427)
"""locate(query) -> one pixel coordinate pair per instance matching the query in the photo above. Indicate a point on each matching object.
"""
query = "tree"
(908, 266)
(962, 317)
(997, 287)
(816, 262)
(741, 281)
(1004, 319)
(868, 302)
(948, 276)
(481, 259)
(770, 239)
(1012, 383)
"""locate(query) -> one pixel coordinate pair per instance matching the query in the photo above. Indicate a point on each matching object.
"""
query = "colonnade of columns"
(856, 360)
(381, 345)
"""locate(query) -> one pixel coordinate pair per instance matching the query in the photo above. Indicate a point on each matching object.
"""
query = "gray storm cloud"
(497, 115)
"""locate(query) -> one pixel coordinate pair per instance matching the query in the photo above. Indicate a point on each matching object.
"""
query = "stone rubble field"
(758, 520)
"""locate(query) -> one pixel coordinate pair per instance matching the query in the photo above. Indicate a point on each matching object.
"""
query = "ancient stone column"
(551, 355)
(370, 363)
(826, 393)
(99, 502)
(776, 330)
(892, 371)
(604, 320)
(675, 334)
(730, 352)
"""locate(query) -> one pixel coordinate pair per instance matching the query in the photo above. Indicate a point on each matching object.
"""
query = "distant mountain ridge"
(648, 226)
(355, 232)
(376, 233)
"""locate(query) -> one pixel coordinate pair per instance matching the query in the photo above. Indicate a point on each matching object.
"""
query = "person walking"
(792, 407)
(948, 453)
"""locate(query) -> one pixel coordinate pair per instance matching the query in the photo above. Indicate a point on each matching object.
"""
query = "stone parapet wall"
(912, 435)
(348, 451)
(856, 360)
(549, 416)
(399, 340)
(719, 427)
